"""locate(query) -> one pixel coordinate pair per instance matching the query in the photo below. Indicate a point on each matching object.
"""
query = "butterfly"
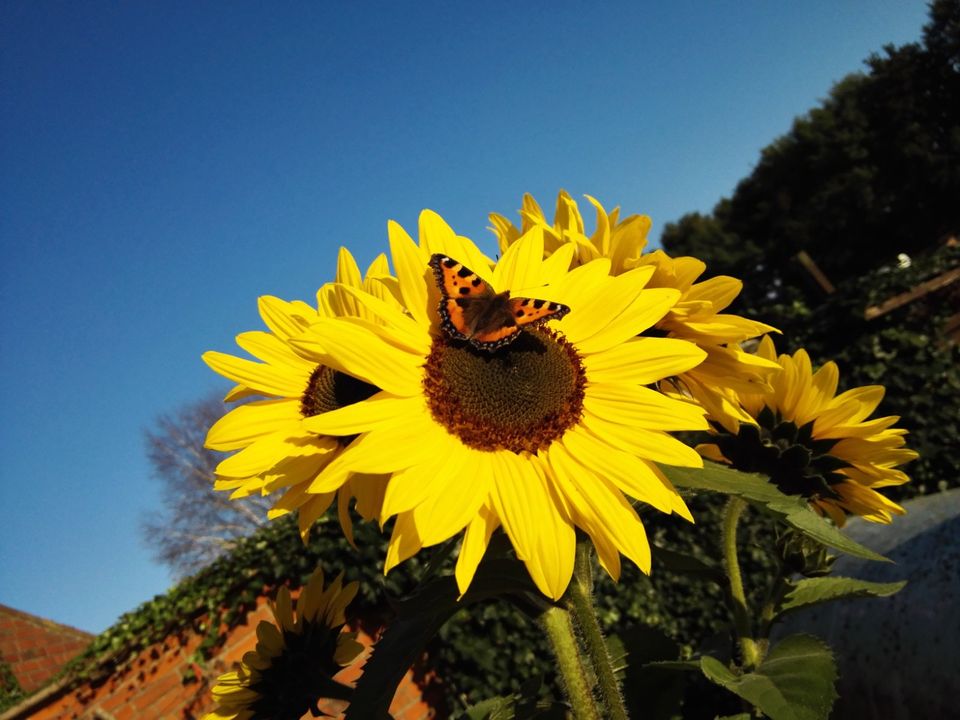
(470, 310)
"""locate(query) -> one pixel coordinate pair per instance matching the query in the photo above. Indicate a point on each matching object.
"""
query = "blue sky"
(166, 163)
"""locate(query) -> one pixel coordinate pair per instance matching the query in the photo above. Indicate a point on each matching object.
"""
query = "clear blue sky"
(163, 164)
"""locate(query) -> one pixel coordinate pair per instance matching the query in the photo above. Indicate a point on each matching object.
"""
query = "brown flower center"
(521, 397)
(329, 389)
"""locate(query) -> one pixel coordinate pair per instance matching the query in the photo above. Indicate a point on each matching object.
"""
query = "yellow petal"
(311, 510)
(643, 360)
(404, 330)
(712, 452)
(308, 605)
(265, 379)
(555, 267)
(648, 307)
(646, 444)
(628, 473)
(283, 318)
(410, 263)
(358, 352)
(521, 267)
(274, 351)
(642, 407)
(475, 541)
(544, 540)
(718, 291)
(602, 504)
(348, 272)
(412, 486)
(380, 410)
(404, 542)
(300, 464)
(436, 236)
(465, 483)
(595, 309)
(383, 450)
(283, 609)
(628, 241)
(247, 423)
(379, 268)
(266, 452)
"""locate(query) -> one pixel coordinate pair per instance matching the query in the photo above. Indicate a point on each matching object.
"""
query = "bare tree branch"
(195, 524)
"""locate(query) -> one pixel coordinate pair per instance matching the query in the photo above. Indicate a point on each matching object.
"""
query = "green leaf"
(681, 665)
(497, 708)
(657, 690)
(764, 495)
(639, 645)
(524, 705)
(813, 591)
(794, 682)
(419, 617)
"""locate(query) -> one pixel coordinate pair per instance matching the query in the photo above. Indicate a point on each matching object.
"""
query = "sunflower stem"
(580, 601)
(768, 613)
(558, 625)
(741, 611)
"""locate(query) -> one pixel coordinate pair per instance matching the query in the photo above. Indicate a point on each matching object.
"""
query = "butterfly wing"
(464, 295)
(527, 311)
(470, 309)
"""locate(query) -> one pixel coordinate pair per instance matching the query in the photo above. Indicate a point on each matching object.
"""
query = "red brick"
(151, 685)
(27, 643)
(126, 712)
(168, 705)
(155, 692)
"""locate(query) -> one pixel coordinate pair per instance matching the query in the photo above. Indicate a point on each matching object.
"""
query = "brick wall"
(160, 682)
(35, 648)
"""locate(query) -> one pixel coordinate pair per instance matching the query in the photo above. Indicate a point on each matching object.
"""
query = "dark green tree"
(872, 172)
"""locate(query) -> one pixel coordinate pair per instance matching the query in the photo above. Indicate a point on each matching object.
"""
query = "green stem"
(778, 589)
(580, 601)
(558, 625)
(741, 611)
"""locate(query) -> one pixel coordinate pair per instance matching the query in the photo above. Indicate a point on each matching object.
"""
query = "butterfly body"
(470, 310)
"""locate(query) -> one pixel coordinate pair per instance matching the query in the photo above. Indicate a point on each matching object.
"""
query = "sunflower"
(275, 451)
(696, 317)
(544, 435)
(815, 443)
(294, 661)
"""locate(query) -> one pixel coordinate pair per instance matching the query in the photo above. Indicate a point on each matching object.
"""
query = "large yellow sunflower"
(541, 436)
(275, 451)
(696, 317)
(295, 660)
(818, 444)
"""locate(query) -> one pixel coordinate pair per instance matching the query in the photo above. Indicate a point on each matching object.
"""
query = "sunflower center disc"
(295, 678)
(329, 389)
(789, 455)
(521, 397)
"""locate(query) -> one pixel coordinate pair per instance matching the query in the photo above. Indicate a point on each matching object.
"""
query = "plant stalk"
(580, 601)
(741, 611)
(558, 625)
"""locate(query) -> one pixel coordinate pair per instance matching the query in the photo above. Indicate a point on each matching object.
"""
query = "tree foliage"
(195, 525)
(872, 172)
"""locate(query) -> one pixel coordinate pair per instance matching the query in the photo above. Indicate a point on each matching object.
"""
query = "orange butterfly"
(470, 310)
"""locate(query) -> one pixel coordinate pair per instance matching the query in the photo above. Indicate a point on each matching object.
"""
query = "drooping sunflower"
(543, 435)
(696, 317)
(815, 443)
(276, 453)
(295, 660)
